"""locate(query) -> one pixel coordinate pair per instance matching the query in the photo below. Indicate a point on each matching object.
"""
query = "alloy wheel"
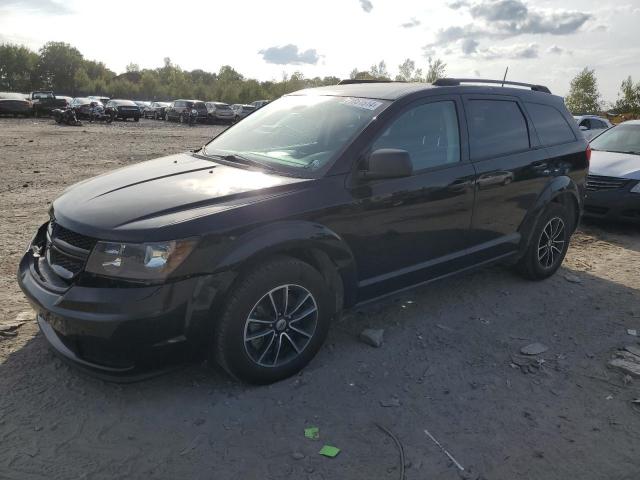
(551, 243)
(280, 326)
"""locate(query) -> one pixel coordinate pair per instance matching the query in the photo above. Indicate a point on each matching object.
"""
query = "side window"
(429, 132)
(586, 123)
(496, 127)
(598, 124)
(551, 126)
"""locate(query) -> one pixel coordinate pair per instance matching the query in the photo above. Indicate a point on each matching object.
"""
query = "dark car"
(45, 101)
(82, 106)
(15, 104)
(613, 184)
(123, 109)
(156, 110)
(327, 198)
(179, 110)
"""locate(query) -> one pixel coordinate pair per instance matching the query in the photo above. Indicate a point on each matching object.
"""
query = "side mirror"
(583, 127)
(388, 163)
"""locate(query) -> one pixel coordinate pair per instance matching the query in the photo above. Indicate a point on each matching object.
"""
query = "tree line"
(62, 68)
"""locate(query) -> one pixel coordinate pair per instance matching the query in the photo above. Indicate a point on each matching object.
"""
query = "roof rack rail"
(451, 82)
(351, 81)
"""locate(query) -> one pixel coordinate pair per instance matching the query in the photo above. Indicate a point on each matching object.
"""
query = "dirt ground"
(450, 364)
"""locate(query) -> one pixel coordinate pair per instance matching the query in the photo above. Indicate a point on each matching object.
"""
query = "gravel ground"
(449, 364)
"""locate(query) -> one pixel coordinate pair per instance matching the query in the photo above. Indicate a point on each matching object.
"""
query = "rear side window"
(551, 126)
(496, 127)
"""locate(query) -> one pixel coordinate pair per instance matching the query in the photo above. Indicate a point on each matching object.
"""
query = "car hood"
(611, 164)
(126, 203)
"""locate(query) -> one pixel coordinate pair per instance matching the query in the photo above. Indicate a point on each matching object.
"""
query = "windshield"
(623, 138)
(43, 95)
(297, 133)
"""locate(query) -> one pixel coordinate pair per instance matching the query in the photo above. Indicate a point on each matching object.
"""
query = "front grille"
(74, 239)
(67, 251)
(598, 182)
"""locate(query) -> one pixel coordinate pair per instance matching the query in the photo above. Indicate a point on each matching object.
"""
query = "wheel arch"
(562, 190)
(310, 242)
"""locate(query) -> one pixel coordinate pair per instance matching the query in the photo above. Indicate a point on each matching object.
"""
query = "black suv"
(179, 110)
(324, 199)
(123, 109)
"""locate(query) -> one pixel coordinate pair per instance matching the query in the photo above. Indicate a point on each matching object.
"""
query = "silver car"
(240, 111)
(592, 125)
(613, 184)
(219, 112)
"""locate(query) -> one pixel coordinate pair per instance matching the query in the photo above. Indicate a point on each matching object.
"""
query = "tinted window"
(586, 123)
(428, 132)
(598, 124)
(551, 126)
(496, 127)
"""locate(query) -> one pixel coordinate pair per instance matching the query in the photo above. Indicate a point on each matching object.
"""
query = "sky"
(540, 41)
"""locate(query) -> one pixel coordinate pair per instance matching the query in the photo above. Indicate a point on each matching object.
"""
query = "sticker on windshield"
(364, 103)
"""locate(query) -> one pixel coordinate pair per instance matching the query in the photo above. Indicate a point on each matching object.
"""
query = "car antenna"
(505, 75)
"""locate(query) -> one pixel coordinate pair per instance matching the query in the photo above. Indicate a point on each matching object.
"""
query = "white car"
(592, 125)
(613, 184)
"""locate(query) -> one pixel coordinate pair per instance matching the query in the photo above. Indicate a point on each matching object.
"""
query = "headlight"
(636, 188)
(139, 261)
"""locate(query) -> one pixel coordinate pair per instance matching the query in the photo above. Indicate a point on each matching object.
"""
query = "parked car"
(45, 101)
(592, 125)
(82, 106)
(613, 184)
(123, 109)
(15, 104)
(103, 100)
(179, 110)
(156, 110)
(259, 103)
(324, 199)
(142, 105)
(219, 112)
(240, 111)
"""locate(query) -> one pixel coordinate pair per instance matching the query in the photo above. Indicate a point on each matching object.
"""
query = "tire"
(249, 311)
(136, 119)
(542, 258)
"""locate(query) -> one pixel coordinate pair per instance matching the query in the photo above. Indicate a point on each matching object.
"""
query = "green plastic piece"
(329, 451)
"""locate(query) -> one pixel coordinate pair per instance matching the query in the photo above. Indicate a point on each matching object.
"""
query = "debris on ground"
(635, 349)
(572, 278)
(329, 451)
(372, 336)
(534, 349)
(297, 455)
(391, 402)
(312, 432)
(403, 463)
(444, 450)
(632, 331)
(626, 362)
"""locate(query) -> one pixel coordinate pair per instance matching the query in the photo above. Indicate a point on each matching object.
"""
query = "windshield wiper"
(235, 158)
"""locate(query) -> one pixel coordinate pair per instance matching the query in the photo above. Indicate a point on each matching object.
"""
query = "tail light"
(588, 155)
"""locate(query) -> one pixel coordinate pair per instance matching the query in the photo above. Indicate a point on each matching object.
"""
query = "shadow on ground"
(448, 359)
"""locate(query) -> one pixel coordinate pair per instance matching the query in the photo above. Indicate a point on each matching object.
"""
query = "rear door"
(407, 230)
(511, 171)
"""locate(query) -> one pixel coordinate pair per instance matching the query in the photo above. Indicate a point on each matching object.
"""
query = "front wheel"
(274, 321)
(136, 119)
(548, 245)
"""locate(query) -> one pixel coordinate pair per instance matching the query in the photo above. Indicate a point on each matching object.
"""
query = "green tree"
(17, 65)
(379, 71)
(628, 97)
(406, 70)
(57, 67)
(584, 96)
(435, 70)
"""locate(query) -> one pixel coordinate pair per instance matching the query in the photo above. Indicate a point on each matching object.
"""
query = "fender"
(558, 186)
(293, 237)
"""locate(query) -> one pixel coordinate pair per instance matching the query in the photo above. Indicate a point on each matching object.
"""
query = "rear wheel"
(274, 321)
(549, 244)
(136, 119)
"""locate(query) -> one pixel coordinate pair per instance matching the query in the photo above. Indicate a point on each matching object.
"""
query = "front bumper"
(619, 205)
(121, 333)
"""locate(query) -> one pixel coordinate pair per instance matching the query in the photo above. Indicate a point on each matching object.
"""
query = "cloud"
(469, 46)
(556, 50)
(414, 22)
(502, 19)
(366, 5)
(512, 52)
(49, 7)
(289, 55)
